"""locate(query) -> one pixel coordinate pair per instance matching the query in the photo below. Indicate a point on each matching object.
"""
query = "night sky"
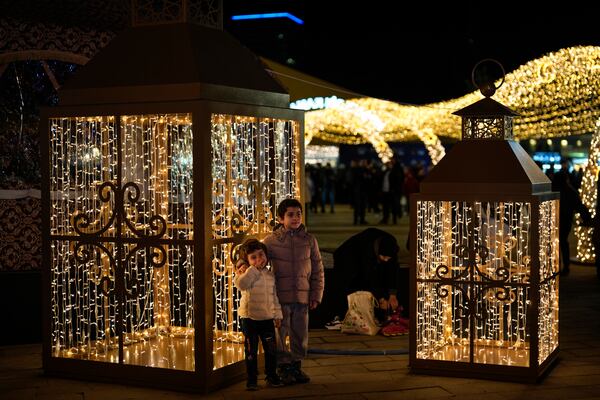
(436, 44)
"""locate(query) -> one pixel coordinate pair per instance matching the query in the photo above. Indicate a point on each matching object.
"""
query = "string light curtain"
(255, 165)
(484, 284)
(138, 232)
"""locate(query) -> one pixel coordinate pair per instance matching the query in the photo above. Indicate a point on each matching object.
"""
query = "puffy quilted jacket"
(296, 261)
(259, 298)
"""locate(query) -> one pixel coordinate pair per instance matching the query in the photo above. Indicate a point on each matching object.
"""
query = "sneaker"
(274, 381)
(251, 386)
(335, 324)
(299, 375)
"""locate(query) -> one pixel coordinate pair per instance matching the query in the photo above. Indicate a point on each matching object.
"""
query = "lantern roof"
(486, 107)
(174, 62)
(486, 167)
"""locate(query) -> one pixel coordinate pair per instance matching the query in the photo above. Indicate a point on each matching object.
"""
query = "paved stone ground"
(380, 377)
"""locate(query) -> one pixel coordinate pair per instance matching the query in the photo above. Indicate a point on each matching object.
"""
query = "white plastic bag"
(360, 318)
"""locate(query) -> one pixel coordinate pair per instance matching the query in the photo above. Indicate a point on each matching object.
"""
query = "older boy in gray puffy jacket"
(300, 280)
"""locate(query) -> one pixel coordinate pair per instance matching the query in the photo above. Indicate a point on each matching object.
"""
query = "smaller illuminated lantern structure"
(484, 278)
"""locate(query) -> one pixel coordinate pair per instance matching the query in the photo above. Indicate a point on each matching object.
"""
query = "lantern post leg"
(161, 204)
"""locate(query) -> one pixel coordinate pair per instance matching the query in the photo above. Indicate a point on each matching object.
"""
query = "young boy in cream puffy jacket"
(259, 311)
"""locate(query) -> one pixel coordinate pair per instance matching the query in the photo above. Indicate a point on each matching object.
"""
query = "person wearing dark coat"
(570, 203)
(368, 261)
(595, 223)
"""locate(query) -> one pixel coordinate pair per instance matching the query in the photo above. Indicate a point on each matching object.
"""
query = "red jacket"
(296, 261)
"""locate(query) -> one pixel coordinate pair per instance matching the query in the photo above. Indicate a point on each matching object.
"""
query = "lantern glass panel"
(255, 165)
(128, 194)
(549, 268)
(473, 273)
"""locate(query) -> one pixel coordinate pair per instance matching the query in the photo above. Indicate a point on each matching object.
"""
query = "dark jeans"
(265, 330)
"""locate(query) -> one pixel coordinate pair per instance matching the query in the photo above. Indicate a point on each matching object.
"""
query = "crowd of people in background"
(369, 186)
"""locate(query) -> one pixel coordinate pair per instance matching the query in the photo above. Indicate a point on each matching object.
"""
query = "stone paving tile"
(547, 394)
(361, 375)
(390, 365)
(313, 333)
(309, 362)
(343, 338)
(424, 393)
(574, 344)
(347, 396)
(483, 387)
(575, 370)
(320, 371)
(18, 394)
(345, 370)
(478, 396)
(566, 380)
(345, 360)
(340, 346)
(386, 344)
(587, 352)
(397, 357)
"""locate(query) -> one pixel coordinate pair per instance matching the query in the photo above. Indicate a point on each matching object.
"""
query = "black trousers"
(265, 330)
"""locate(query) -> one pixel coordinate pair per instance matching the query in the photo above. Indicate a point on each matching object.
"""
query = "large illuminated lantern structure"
(484, 236)
(166, 150)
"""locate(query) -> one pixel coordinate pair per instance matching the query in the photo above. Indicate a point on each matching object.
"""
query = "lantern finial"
(487, 88)
(486, 119)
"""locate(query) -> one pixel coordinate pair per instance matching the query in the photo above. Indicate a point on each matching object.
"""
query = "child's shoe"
(299, 375)
(274, 381)
(252, 386)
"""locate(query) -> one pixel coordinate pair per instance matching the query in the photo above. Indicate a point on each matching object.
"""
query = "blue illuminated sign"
(268, 15)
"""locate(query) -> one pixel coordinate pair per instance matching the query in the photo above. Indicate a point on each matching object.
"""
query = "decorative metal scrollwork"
(157, 255)
(81, 222)
(156, 223)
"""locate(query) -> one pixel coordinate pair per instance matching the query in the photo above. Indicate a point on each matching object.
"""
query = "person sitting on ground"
(368, 261)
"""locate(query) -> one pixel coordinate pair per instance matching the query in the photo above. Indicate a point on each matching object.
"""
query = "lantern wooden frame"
(485, 265)
(264, 102)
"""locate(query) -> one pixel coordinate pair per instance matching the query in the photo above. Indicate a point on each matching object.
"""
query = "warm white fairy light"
(158, 314)
(588, 193)
(445, 232)
(255, 165)
(556, 95)
(549, 267)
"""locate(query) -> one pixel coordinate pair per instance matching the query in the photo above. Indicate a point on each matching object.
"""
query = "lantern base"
(484, 371)
(489, 355)
(173, 348)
